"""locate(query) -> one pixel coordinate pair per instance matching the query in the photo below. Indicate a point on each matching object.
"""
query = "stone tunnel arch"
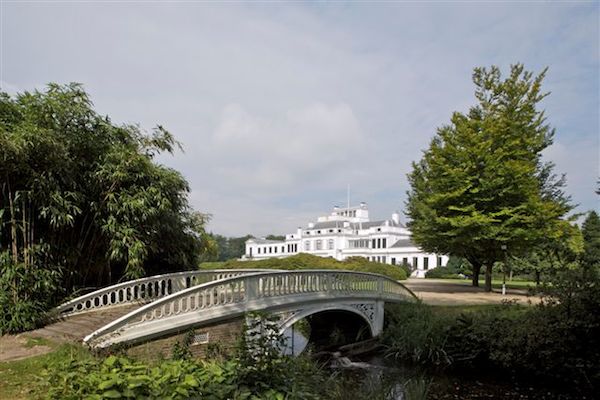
(352, 320)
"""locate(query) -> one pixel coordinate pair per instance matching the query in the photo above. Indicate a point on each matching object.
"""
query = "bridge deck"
(75, 327)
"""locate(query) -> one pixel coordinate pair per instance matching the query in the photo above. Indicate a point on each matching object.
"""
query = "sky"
(279, 106)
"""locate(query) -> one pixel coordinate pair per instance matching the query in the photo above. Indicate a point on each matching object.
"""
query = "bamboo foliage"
(83, 193)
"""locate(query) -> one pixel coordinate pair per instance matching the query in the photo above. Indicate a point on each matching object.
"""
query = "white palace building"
(348, 232)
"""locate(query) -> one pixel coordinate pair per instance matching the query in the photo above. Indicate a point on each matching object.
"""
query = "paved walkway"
(447, 292)
(70, 330)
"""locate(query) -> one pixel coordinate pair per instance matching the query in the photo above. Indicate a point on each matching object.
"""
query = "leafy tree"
(227, 248)
(481, 188)
(275, 237)
(552, 256)
(591, 241)
(79, 193)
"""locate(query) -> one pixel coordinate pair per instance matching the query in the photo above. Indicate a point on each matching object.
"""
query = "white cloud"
(274, 154)
(279, 107)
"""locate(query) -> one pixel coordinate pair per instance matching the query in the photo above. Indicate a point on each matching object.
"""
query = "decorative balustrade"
(145, 289)
(233, 296)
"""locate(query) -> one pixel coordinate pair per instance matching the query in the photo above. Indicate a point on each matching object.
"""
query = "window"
(259, 250)
(415, 262)
(319, 245)
(383, 243)
(306, 245)
(319, 232)
(200, 338)
(379, 243)
(274, 249)
(373, 245)
(282, 249)
(393, 261)
(339, 231)
(383, 259)
(331, 230)
(404, 260)
(330, 244)
(439, 261)
(378, 229)
(425, 262)
(250, 251)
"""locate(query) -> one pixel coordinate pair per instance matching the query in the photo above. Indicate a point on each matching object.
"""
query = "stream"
(373, 376)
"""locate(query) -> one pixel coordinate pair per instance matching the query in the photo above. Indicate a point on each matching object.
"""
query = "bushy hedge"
(308, 261)
(442, 273)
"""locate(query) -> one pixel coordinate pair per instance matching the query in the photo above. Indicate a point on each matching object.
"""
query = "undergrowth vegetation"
(308, 261)
(556, 341)
(26, 292)
(257, 371)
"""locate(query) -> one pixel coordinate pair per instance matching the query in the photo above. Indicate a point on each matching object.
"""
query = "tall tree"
(89, 192)
(481, 188)
(591, 243)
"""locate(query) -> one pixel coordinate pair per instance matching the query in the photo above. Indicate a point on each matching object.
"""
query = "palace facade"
(348, 232)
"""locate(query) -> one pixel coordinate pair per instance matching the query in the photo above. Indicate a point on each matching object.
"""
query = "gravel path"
(446, 292)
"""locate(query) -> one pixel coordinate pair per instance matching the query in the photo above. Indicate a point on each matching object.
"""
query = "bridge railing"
(145, 289)
(239, 294)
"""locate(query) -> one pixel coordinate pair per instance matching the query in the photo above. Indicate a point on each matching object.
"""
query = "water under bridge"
(155, 307)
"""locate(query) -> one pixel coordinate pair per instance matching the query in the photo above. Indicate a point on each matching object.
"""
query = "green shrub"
(120, 377)
(414, 333)
(308, 261)
(442, 273)
(258, 371)
(557, 340)
(26, 293)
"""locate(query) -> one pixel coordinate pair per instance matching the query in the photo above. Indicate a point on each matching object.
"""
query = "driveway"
(457, 292)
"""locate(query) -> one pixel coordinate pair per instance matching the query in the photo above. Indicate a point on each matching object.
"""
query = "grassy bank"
(308, 261)
(554, 344)
(496, 283)
(27, 378)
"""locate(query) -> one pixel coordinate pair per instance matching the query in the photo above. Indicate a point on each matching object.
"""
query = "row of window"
(329, 244)
(359, 244)
(379, 243)
(415, 261)
(318, 232)
(291, 248)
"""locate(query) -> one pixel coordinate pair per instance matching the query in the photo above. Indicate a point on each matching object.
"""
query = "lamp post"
(503, 247)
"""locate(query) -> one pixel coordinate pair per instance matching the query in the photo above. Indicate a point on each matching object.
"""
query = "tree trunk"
(488, 277)
(13, 228)
(537, 278)
(476, 270)
(25, 241)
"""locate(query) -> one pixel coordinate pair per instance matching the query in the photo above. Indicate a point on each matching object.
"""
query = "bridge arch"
(366, 311)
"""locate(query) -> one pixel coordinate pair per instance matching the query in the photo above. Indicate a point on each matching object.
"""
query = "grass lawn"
(24, 379)
(457, 310)
(496, 283)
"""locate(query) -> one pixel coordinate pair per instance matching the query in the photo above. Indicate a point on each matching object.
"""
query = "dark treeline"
(230, 248)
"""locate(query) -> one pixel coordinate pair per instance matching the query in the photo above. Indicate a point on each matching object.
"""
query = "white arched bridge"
(163, 305)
